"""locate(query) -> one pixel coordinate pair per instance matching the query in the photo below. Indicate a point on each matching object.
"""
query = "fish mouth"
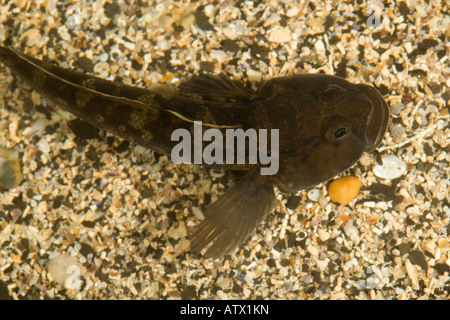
(378, 121)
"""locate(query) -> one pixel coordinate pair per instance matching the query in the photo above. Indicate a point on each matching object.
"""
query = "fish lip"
(379, 116)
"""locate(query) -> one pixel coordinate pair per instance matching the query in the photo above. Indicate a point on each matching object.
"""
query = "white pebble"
(314, 194)
(313, 250)
(351, 231)
(382, 205)
(197, 213)
(254, 76)
(292, 12)
(38, 126)
(43, 146)
(376, 230)
(283, 272)
(280, 35)
(33, 36)
(210, 10)
(249, 279)
(272, 20)
(230, 31)
(397, 108)
(370, 204)
(218, 54)
(399, 290)
(392, 168)
(412, 274)
(323, 235)
(365, 159)
(322, 264)
(320, 47)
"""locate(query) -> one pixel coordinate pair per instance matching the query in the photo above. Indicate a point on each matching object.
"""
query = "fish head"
(341, 121)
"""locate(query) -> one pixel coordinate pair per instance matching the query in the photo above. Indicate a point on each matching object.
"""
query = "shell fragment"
(392, 168)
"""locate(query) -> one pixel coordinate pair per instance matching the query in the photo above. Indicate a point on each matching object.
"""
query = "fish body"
(324, 124)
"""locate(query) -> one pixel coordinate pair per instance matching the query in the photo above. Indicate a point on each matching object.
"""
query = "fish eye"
(338, 132)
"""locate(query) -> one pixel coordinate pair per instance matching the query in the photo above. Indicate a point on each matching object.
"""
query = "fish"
(324, 123)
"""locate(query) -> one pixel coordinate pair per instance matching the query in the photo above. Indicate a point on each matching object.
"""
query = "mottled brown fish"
(325, 123)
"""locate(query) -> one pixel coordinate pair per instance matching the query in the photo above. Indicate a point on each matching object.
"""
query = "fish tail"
(147, 117)
(89, 98)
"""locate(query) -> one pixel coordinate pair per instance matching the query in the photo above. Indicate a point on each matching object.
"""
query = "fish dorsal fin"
(211, 86)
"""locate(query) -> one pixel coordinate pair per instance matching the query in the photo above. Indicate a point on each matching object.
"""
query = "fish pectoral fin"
(212, 86)
(230, 220)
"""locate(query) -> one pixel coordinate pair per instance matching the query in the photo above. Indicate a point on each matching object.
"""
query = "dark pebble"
(86, 249)
(158, 253)
(111, 9)
(285, 262)
(92, 154)
(404, 248)
(441, 268)
(132, 266)
(435, 88)
(403, 8)
(427, 149)
(86, 64)
(418, 72)
(383, 89)
(428, 43)
(170, 268)
(258, 51)
(123, 146)
(378, 188)
(418, 258)
(230, 45)
(237, 288)
(207, 66)
(202, 20)
(136, 65)
(88, 224)
(293, 202)
(397, 200)
(188, 292)
(28, 104)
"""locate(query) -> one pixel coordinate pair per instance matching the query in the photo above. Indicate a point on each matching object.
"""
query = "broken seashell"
(392, 168)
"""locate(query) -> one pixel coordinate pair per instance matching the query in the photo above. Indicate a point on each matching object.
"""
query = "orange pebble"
(344, 190)
(344, 218)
